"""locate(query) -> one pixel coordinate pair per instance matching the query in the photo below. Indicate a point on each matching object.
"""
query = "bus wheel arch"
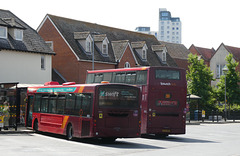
(69, 132)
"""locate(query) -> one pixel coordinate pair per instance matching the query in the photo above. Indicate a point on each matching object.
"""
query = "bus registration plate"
(166, 130)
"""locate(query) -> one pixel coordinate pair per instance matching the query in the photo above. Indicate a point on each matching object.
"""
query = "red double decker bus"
(106, 111)
(164, 89)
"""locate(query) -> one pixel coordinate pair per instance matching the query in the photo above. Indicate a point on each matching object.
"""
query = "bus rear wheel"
(69, 132)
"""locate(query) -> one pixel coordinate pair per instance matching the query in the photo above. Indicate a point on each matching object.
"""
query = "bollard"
(217, 114)
(233, 116)
(212, 116)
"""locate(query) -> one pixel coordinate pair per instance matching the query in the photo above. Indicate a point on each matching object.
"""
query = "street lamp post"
(225, 70)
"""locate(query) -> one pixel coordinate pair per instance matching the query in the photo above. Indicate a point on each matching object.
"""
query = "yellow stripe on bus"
(81, 89)
(64, 121)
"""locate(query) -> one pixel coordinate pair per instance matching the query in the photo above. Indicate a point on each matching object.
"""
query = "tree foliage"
(232, 80)
(199, 77)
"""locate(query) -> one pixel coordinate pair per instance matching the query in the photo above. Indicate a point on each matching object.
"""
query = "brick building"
(73, 42)
(204, 53)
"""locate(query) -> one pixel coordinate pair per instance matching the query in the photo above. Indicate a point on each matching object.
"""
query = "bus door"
(29, 111)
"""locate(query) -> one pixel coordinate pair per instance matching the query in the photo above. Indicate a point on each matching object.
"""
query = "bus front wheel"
(69, 132)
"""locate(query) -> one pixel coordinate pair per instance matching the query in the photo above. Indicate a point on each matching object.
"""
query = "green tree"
(199, 77)
(232, 79)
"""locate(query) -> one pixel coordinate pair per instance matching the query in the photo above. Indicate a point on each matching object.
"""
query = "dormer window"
(144, 54)
(3, 32)
(18, 34)
(89, 44)
(104, 49)
(164, 56)
(101, 42)
(161, 51)
(141, 48)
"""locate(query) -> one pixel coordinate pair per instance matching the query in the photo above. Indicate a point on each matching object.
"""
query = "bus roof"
(67, 87)
(131, 69)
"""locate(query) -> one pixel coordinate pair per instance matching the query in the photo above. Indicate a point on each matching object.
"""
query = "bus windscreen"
(118, 97)
(167, 74)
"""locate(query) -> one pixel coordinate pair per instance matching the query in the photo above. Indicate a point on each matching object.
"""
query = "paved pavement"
(22, 129)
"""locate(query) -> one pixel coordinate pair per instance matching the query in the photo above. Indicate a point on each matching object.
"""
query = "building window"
(104, 49)
(43, 62)
(127, 65)
(144, 54)
(50, 44)
(88, 46)
(164, 56)
(219, 71)
(3, 32)
(18, 34)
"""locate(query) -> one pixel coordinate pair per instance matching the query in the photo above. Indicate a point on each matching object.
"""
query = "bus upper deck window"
(141, 77)
(98, 78)
(167, 74)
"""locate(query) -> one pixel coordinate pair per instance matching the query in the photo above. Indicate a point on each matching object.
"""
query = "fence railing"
(214, 116)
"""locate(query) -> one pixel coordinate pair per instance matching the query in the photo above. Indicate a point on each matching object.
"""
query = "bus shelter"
(8, 105)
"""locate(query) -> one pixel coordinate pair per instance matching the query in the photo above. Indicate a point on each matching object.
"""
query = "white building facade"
(25, 67)
(170, 28)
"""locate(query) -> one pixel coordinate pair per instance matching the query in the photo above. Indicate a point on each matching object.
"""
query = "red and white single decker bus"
(106, 111)
(164, 91)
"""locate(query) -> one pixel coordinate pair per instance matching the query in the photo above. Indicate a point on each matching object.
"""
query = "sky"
(205, 23)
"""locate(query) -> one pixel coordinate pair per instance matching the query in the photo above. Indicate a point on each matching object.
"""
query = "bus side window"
(70, 104)
(52, 104)
(44, 104)
(60, 104)
(37, 102)
(130, 77)
(107, 77)
(84, 104)
(87, 104)
(141, 77)
(120, 77)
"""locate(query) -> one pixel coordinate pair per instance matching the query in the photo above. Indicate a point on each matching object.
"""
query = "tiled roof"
(157, 47)
(205, 52)
(235, 51)
(138, 44)
(32, 42)
(176, 50)
(119, 47)
(67, 27)
(81, 35)
(99, 38)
